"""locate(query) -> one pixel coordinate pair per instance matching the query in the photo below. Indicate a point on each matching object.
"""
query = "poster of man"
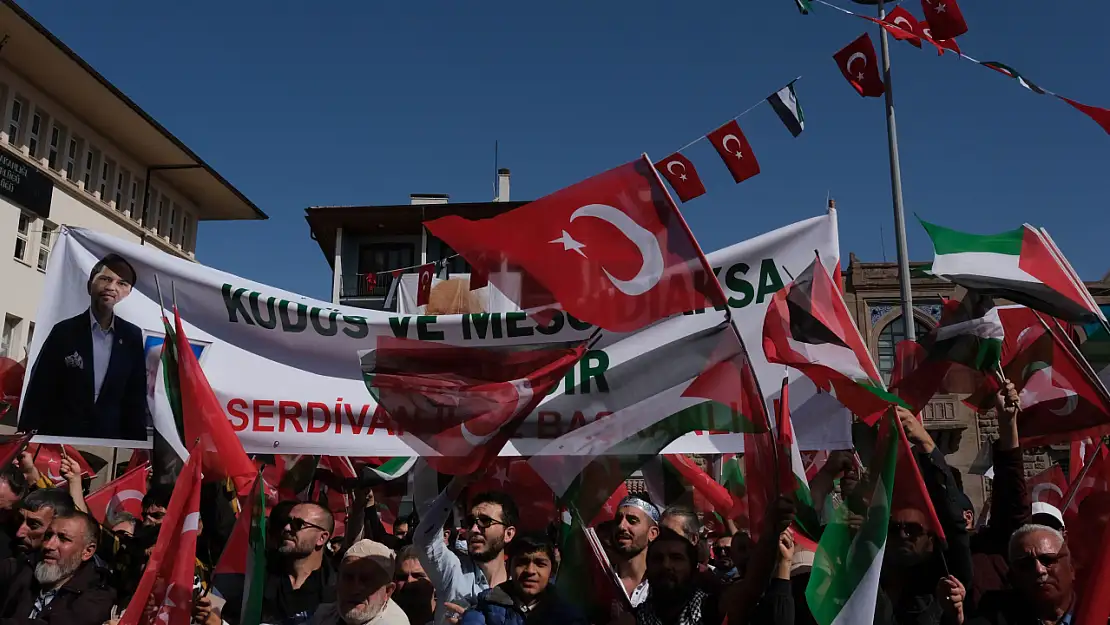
(89, 379)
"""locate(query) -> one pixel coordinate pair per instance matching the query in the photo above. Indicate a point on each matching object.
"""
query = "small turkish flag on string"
(945, 18)
(735, 151)
(859, 65)
(371, 281)
(1099, 114)
(942, 45)
(680, 172)
(424, 287)
(907, 28)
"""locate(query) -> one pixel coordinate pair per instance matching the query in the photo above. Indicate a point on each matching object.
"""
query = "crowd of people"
(664, 568)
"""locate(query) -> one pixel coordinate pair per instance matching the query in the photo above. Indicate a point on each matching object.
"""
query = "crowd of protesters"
(62, 566)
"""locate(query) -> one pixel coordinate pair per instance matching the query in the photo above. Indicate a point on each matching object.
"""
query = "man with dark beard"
(298, 577)
(65, 586)
(637, 526)
(365, 589)
(37, 510)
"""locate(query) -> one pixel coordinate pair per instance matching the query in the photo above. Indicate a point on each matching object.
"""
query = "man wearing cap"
(89, 378)
(637, 525)
(364, 589)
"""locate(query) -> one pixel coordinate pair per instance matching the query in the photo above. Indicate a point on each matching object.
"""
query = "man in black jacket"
(64, 586)
(89, 379)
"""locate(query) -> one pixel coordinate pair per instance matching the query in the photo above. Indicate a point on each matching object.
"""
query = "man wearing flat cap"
(637, 524)
(364, 589)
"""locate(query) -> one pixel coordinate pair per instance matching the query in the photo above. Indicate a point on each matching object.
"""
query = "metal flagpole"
(896, 189)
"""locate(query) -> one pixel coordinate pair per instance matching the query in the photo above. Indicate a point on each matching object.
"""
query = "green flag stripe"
(948, 241)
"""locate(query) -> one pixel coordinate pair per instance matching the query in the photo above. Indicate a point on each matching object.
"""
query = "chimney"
(418, 199)
(502, 185)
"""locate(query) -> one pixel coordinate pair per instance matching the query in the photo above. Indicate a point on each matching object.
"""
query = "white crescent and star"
(852, 59)
(1040, 488)
(122, 496)
(523, 398)
(651, 268)
(900, 20)
(671, 171)
(724, 145)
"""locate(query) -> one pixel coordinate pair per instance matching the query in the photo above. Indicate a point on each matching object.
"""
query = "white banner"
(286, 367)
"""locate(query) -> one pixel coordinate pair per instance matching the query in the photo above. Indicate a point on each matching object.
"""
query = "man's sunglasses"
(297, 524)
(482, 521)
(1047, 560)
(909, 530)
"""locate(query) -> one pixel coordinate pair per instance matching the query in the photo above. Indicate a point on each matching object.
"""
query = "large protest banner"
(287, 368)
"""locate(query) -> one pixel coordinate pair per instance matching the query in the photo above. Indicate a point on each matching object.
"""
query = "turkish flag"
(123, 494)
(735, 151)
(945, 19)
(859, 65)
(48, 460)
(612, 250)
(516, 478)
(461, 402)
(942, 45)
(684, 179)
(1100, 115)
(424, 284)
(907, 27)
(1048, 486)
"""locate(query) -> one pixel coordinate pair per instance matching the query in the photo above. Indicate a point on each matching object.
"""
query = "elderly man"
(364, 590)
(637, 525)
(65, 586)
(1044, 584)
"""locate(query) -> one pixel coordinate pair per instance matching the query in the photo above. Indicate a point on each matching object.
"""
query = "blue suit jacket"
(59, 399)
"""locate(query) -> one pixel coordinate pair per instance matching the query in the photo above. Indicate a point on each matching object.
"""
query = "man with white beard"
(65, 585)
(364, 589)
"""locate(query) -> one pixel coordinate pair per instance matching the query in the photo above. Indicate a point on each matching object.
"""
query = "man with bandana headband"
(636, 526)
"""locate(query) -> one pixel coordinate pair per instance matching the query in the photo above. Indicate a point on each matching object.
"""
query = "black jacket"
(279, 600)
(1005, 607)
(86, 599)
(60, 392)
(497, 606)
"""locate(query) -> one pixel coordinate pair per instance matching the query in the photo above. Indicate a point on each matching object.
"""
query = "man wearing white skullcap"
(364, 589)
(636, 525)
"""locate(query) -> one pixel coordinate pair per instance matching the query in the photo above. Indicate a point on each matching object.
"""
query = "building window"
(45, 238)
(30, 334)
(147, 205)
(170, 222)
(121, 186)
(186, 227)
(33, 135)
(159, 225)
(22, 234)
(892, 334)
(7, 340)
(131, 200)
(55, 142)
(71, 158)
(90, 169)
(13, 122)
(106, 168)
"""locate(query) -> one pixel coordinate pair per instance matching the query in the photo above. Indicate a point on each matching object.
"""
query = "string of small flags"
(943, 22)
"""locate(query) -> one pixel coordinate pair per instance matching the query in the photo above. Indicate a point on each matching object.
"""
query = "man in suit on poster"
(89, 379)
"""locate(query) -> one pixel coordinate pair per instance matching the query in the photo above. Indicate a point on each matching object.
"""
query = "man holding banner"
(89, 378)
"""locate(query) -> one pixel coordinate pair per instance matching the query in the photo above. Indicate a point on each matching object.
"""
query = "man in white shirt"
(637, 526)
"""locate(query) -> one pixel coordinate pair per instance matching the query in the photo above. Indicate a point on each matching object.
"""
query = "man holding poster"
(89, 379)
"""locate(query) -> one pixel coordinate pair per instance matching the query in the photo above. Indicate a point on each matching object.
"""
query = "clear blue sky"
(301, 104)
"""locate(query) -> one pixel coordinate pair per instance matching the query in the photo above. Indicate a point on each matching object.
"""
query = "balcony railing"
(356, 285)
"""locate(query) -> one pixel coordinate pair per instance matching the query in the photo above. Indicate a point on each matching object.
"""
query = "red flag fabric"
(860, 66)
(1100, 115)
(941, 44)
(516, 478)
(10, 447)
(123, 494)
(760, 475)
(478, 279)
(424, 283)
(907, 27)
(462, 402)
(1077, 457)
(167, 581)
(139, 457)
(612, 250)
(713, 493)
(684, 179)
(371, 281)
(204, 420)
(48, 460)
(945, 18)
(1095, 481)
(909, 487)
(1048, 486)
(11, 385)
(735, 151)
(609, 509)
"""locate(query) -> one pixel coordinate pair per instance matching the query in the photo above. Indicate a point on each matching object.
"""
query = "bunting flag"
(680, 173)
(945, 18)
(908, 27)
(803, 6)
(860, 66)
(424, 284)
(1010, 72)
(1100, 115)
(940, 44)
(788, 108)
(735, 151)
(123, 494)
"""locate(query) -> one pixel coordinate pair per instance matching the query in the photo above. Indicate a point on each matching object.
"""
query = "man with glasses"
(490, 525)
(1043, 575)
(154, 504)
(298, 577)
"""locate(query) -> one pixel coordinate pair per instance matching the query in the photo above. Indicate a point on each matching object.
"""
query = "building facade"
(75, 151)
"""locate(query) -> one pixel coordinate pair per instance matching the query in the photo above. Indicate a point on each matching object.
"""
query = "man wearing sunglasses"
(458, 580)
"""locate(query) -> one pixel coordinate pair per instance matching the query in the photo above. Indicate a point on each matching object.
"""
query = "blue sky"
(329, 102)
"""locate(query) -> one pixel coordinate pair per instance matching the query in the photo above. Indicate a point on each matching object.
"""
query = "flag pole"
(896, 189)
(1073, 489)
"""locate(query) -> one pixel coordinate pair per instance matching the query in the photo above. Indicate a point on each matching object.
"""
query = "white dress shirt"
(101, 351)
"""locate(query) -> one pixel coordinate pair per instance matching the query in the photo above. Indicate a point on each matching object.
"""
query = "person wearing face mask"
(528, 598)
(364, 589)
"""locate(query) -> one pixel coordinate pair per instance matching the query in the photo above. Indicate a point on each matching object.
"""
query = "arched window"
(894, 332)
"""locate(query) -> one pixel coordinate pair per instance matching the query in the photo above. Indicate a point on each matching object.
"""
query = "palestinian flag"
(786, 105)
(1096, 348)
(166, 463)
(791, 470)
(462, 404)
(586, 576)
(971, 335)
(804, 7)
(1021, 265)
(844, 584)
(706, 376)
(732, 478)
(808, 327)
(245, 553)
